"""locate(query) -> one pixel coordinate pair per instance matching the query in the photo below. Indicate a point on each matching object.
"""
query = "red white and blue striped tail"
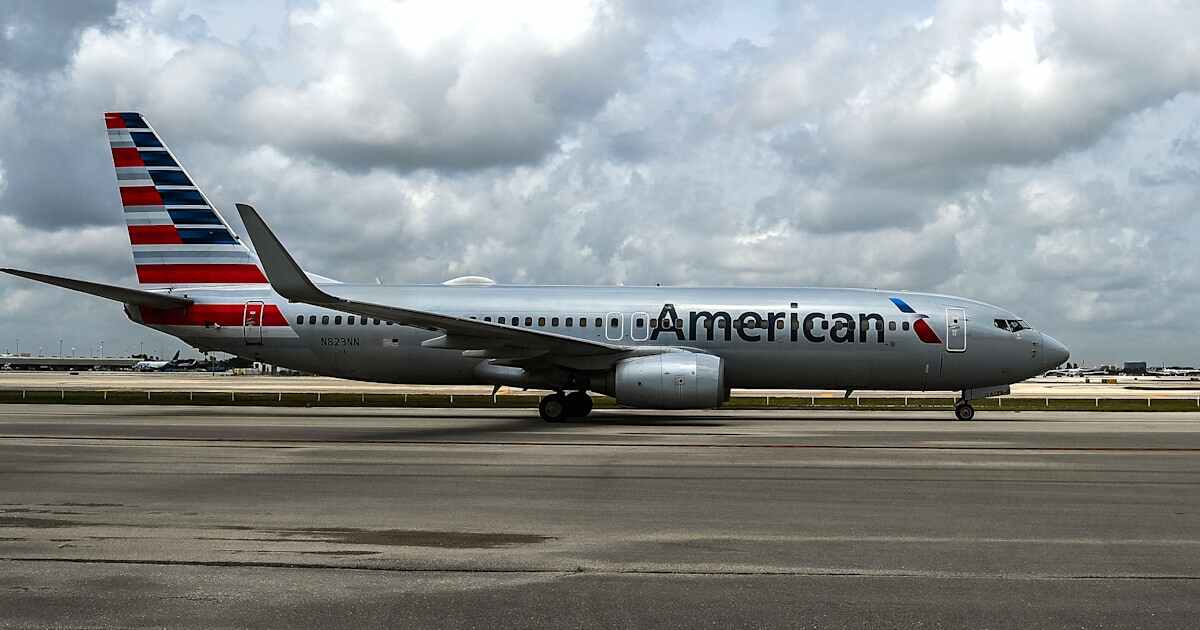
(178, 237)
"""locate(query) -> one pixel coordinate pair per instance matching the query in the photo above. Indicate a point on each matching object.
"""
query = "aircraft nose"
(1054, 353)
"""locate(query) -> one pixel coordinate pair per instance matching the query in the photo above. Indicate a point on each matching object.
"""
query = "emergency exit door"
(956, 330)
(252, 320)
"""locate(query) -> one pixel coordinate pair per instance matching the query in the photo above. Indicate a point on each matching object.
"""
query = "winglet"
(285, 276)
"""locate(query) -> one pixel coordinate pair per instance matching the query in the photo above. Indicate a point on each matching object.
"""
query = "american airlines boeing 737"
(648, 347)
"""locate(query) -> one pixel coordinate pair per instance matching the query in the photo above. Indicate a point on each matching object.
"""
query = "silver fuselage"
(778, 337)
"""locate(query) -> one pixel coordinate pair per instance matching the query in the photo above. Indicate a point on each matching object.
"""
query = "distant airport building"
(26, 362)
(1134, 367)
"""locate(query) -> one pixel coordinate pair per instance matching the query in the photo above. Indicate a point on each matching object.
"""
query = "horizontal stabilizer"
(119, 294)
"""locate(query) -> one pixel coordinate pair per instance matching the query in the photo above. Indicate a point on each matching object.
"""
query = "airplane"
(1077, 372)
(1166, 371)
(648, 347)
(155, 366)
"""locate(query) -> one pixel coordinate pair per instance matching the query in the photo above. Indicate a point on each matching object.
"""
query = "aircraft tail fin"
(178, 237)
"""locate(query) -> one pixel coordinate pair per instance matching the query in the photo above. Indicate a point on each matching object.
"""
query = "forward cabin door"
(956, 330)
(252, 320)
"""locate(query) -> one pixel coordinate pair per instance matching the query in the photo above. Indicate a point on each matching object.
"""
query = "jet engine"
(672, 380)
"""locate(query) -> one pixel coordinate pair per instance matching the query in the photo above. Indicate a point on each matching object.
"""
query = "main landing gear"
(559, 407)
(964, 411)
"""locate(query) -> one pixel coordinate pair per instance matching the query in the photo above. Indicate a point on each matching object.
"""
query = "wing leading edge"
(474, 337)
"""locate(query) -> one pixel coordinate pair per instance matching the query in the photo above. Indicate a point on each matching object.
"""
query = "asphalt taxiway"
(208, 516)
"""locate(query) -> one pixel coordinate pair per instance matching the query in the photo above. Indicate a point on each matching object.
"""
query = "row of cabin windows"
(351, 320)
(569, 322)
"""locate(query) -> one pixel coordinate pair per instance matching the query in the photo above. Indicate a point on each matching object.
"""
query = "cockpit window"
(1011, 325)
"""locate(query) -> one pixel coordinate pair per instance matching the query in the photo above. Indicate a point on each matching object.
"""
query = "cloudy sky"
(1040, 155)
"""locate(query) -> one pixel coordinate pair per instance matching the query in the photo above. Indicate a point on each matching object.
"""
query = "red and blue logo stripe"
(920, 326)
(177, 236)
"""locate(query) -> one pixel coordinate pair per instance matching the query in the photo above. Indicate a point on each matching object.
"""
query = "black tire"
(579, 404)
(964, 412)
(553, 408)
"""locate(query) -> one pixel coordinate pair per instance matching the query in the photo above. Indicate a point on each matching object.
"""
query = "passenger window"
(614, 322)
(363, 322)
(779, 324)
(569, 320)
(500, 320)
(541, 321)
(679, 324)
(376, 321)
(554, 322)
(599, 322)
(350, 320)
(324, 320)
(825, 324)
(892, 325)
(312, 319)
(904, 325)
(300, 320)
(337, 320)
(389, 323)
(639, 322)
(583, 322)
(487, 319)
(528, 321)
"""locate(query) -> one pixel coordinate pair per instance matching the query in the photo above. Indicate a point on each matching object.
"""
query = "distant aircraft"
(1166, 371)
(156, 366)
(649, 347)
(1077, 372)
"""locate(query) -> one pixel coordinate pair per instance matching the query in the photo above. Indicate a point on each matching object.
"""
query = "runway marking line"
(266, 442)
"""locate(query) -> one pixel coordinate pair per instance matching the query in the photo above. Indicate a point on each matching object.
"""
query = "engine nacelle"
(672, 380)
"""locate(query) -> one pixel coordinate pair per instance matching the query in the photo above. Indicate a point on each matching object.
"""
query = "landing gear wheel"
(579, 404)
(553, 408)
(964, 411)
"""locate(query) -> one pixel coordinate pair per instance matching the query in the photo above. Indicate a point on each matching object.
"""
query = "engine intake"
(672, 380)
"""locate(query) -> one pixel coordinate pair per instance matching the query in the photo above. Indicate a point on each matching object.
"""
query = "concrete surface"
(219, 517)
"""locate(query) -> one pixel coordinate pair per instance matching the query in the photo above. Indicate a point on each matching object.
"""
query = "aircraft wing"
(119, 294)
(483, 339)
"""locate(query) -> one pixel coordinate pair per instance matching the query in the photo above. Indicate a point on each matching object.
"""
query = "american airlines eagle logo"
(920, 326)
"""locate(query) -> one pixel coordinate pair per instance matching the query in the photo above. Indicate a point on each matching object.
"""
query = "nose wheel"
(964, 411)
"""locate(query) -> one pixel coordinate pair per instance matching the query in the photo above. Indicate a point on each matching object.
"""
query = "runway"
(209, 516)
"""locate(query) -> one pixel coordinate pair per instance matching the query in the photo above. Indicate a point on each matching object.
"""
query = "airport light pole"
(60, 348)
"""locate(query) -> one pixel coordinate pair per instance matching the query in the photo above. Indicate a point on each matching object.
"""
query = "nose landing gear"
(964, 411)
(559, 407)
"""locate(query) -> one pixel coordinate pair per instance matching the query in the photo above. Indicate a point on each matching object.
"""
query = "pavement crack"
(852, 573)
